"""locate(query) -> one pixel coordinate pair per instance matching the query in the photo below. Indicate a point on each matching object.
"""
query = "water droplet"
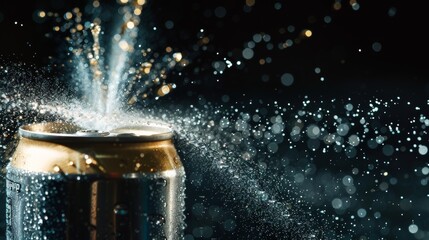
(156, 219)
(413, 228)
(361, 212)
(57, 169)
(121, 210)
(337, 203)
(423, 150)
(287, 79)
(161, 182)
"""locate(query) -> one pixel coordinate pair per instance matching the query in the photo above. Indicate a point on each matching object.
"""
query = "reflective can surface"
(64, 182)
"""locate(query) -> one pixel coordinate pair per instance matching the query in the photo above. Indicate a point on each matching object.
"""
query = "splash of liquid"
(104, 87)
(124, 73)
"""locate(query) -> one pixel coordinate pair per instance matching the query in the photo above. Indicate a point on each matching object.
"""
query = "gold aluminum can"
(66, 182)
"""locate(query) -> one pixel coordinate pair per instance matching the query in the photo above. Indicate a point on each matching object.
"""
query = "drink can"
(66, 182)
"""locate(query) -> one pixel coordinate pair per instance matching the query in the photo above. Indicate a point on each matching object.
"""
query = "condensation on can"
(65, 182)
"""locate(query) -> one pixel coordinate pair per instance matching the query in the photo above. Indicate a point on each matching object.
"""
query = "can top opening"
(56, 131)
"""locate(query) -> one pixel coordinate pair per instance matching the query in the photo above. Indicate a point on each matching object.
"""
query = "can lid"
(59, 132)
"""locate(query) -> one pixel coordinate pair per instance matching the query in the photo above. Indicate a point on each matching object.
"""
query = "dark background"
(334, 47)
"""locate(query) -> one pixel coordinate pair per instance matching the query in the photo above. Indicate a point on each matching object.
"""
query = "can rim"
(67, 132)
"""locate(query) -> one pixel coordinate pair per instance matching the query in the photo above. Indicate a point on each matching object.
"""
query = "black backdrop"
(334, 47)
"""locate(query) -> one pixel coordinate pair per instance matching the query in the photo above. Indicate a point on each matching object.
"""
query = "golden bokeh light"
(68, 15)
(250, 3)
(42, 14)
(177, 56)
(130, 25)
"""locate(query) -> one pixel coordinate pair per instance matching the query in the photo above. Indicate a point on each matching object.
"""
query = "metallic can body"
(94, 188)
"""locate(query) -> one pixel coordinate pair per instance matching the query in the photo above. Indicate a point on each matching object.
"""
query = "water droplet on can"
(161, 182)
(156, 219)
(121, 210)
